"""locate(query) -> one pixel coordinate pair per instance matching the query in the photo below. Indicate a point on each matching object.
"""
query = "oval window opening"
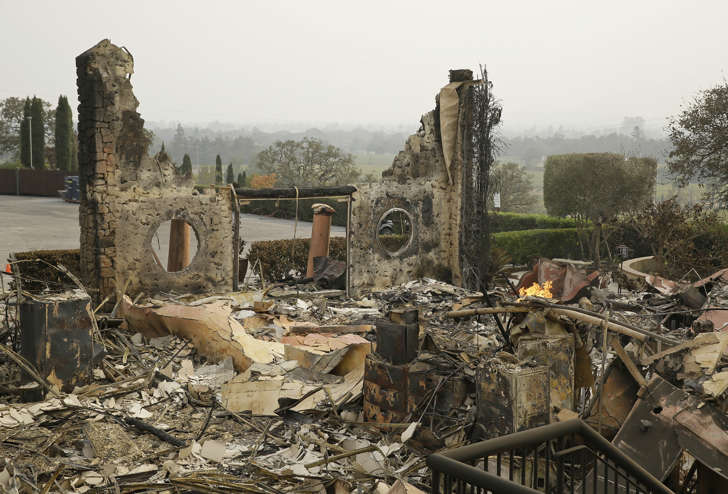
(174, 245)
(394, 231)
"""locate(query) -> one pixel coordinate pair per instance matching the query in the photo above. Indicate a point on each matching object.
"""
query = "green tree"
(179, 142)
(38, 132)
(11, 118)
(218, 170)
(699, 135)
(229, 174)
(242, 179)
(597, 187)
(307, 163)
(162, 154)
(24, 128)
(64, 135)
(514, 184)
(186, 169)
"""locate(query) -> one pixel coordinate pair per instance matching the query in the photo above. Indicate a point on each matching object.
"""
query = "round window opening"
(174, 245)
(394, 231)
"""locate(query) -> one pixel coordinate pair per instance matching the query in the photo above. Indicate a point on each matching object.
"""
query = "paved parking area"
(39, 223)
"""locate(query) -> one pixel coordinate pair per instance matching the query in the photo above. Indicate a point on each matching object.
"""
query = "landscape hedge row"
(525, 245)
(278, 257)
(286, 208)
(499, 222)
(508, 222)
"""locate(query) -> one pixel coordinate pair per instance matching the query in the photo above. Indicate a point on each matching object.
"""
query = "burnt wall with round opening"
(395, 231)
(182, 237)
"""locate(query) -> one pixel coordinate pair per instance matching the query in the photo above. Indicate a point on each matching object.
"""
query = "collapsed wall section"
(126, 194)
(428, 182)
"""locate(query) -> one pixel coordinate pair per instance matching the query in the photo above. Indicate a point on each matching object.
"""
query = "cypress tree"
(37, 130)
(186, 169)
(229, 174)
(244, 182)
(218, 170)
(64, 135)
(25, 135)
(162, 154)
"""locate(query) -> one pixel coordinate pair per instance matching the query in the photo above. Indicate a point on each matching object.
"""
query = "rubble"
(336, 393)
(191, 383)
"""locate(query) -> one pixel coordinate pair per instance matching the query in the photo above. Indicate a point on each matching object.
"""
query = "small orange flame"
(537, 290)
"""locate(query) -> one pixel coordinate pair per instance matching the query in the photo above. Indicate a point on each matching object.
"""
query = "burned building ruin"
(126, 194)
(430, 187)
(396, 370)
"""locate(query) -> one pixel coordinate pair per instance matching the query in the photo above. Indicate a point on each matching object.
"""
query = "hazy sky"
(576, 63)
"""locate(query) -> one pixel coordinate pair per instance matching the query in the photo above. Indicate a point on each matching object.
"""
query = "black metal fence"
(566, 457)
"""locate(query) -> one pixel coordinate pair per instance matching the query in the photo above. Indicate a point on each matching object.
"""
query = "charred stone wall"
(426, 181)
(126, 194)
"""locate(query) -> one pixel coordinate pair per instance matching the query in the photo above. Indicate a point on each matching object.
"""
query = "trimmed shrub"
(278, 257)
(508, 222)
(525, 245)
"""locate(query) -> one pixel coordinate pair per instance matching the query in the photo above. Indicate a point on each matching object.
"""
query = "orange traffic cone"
(8, 269)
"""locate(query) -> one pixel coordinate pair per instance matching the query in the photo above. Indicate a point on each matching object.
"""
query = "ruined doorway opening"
(175, 245)
(278, 249)
(394, 231)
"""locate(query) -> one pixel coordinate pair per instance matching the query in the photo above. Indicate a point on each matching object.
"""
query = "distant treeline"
(532, 151)
(241, 146)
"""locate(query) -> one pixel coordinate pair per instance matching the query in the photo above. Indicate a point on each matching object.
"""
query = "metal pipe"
(30, 139)
(236, 240)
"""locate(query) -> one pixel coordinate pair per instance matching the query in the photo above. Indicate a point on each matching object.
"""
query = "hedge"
(277, 259)
(508, 222)
(286, 208)
(525, 245)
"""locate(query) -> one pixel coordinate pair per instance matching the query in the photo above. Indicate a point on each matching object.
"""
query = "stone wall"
(126, 194)
(431, 192)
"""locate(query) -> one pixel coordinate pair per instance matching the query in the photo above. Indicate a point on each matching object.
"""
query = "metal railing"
(566, 457)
